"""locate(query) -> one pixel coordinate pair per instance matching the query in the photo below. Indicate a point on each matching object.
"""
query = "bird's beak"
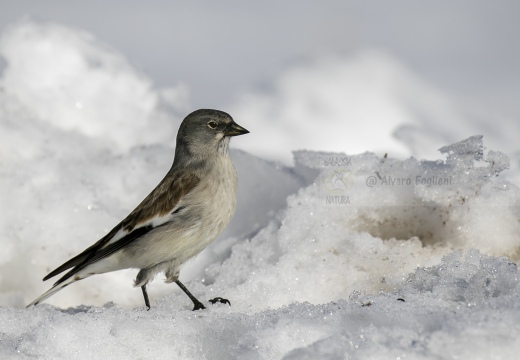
(234, 130)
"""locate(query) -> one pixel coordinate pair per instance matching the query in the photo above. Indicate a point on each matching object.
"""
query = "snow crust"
(337, 256)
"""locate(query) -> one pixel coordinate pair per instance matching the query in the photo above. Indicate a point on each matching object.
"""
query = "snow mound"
(347, 99)
(327, 251)
(80, 83)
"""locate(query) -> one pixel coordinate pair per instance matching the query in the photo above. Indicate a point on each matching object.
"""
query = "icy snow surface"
(337, 257)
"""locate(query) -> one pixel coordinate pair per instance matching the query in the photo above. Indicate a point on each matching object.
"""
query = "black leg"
(197, 304)
(145, 294)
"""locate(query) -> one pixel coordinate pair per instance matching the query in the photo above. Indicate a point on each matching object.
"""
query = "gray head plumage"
(205, 133)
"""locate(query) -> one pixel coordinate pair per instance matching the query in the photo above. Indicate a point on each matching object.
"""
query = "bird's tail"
(53, 290)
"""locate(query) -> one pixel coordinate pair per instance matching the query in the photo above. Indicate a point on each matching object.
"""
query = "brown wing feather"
(158, 203)
(161, 200)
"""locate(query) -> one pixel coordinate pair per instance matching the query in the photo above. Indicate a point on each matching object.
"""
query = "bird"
(186, 211)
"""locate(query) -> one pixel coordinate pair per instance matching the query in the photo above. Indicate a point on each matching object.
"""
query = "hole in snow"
(431, 224)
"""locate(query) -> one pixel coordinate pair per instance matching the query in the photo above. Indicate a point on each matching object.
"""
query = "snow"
(369, 88)
(347, 254)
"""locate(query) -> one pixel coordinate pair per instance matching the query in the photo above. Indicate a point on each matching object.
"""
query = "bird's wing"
(155, 210)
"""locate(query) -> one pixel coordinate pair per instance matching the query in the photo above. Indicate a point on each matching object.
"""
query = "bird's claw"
(198, 306)
(220, 300)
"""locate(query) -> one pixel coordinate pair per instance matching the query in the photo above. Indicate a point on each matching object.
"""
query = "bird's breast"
(210, 206)
(221, 193)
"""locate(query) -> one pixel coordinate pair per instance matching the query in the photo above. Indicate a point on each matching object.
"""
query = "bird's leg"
(145, 295)
(197, 304)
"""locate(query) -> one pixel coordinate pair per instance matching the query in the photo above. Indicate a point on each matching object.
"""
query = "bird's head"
(207, 132)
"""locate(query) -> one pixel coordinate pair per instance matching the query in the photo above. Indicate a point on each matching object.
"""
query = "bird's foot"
(220, 300)
(198, 306)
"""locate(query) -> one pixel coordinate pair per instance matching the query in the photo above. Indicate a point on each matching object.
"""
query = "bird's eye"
(212, 124)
